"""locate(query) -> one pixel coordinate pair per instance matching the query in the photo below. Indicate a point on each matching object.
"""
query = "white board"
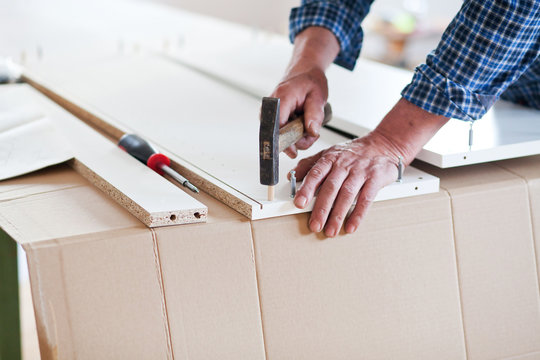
(148, 196)
(206, 126)
(361, 98)
(29, 141)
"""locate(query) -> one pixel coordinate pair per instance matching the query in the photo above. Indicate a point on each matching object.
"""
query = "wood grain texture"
(145, 194)
(294, 130)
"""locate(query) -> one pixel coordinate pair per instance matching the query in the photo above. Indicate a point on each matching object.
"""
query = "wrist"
(314, 48)
(407, 128)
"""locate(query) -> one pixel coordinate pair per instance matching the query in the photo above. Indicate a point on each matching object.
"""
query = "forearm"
(315, 47)
(407, 128)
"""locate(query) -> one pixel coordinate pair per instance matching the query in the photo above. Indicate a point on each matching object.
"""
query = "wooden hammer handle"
(294, 130)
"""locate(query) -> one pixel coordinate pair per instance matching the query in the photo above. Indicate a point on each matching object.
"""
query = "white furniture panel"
(206, 126)
(361, 99)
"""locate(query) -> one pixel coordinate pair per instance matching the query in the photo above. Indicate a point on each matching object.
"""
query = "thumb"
(313, 114)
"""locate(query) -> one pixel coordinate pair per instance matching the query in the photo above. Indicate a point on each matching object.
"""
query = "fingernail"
(330, 232)
(351, 229)
(315, 226)
(313, 129)
(300, 202)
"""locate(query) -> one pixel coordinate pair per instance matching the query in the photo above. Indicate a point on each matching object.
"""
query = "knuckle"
(348, 190)
(366, 199)
(338, 218)
(362, 163)
(327, 160)
(321, 212)
(316, 172)
(333, 183)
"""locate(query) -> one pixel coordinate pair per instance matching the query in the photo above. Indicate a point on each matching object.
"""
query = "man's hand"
(304, 92)
(304, 87)
(360, 168)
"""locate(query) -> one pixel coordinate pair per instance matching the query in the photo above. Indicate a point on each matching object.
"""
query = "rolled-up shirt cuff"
(338, 20)
(439, 95)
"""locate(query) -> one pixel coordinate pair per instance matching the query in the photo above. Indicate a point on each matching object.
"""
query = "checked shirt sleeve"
(342, 17)
(485, 49)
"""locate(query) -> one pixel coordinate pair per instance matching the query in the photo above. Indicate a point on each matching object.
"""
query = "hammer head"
(269, 141)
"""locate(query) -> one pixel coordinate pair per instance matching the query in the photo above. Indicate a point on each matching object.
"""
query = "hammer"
(273, 140)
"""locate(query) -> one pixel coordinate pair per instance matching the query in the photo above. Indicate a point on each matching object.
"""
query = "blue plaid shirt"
(490, 50)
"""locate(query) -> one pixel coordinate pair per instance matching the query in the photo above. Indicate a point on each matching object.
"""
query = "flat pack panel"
(29, 142)
(361, 99)
(205, 125)
(148, 196)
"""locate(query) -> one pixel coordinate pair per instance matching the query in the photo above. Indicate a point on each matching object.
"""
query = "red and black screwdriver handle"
(144, 152)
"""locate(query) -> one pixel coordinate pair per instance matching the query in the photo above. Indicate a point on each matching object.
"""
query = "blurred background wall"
(405, 47)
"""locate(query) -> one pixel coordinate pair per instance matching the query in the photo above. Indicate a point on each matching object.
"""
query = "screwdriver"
(141, 150)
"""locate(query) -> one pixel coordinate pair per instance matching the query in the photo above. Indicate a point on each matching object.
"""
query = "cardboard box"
(105, 286)
(388, 291)
(443, 276)
(496, 259)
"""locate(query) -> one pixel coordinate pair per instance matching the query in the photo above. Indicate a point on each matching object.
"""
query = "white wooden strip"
(201, 123)
(151, 198)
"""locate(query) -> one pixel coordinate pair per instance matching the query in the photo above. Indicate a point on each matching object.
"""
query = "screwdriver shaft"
(176, 176)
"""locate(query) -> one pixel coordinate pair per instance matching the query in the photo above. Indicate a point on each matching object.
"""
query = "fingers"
(306, 92)
(345, 199)
(305, 142)
(312, 181)
(365, 199)
(325, 199)
(288, 105)
(305, 165)
(291, 151)
(313, 114)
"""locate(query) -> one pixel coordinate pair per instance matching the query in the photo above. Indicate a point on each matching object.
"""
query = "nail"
(350, 229)
(330, 232)
(300, 202)
(315, 226)
(313, 129)
(293, 183)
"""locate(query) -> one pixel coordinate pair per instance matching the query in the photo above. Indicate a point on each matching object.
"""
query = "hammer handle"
(294, 130)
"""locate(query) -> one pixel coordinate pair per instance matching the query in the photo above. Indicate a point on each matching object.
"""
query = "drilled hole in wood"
(172, 217)
(197, 215)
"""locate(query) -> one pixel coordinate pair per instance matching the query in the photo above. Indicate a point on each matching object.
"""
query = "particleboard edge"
(165, 218)
(170, 214)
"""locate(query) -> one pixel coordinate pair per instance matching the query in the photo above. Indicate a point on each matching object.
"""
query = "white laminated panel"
(208, 128)
(360, 99)
(148, 196)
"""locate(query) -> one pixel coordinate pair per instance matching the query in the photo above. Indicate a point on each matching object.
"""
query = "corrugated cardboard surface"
(389, 291)
(98, 297)
(446, 276)
(210, 291)
(105, 286)
(496, 260)
(528, 168)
